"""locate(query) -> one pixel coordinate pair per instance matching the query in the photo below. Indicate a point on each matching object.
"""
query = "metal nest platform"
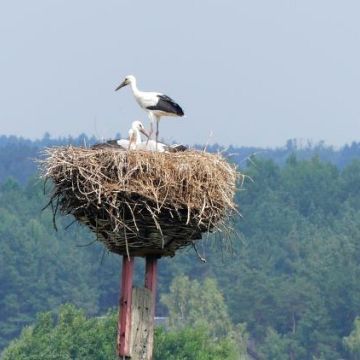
(141, 203)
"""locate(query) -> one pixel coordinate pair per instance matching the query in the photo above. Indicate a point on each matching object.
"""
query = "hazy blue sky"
(251, 72)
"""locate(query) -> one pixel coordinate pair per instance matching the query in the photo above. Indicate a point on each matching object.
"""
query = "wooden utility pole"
(124, 323)
(137, 312)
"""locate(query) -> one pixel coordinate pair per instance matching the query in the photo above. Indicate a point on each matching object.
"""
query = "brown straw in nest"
(140, 202)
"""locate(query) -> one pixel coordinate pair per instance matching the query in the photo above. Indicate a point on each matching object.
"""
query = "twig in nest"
(68, 225)
(197, 253)
(88, 244)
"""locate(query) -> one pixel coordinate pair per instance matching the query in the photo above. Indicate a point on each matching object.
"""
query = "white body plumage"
(154, 103)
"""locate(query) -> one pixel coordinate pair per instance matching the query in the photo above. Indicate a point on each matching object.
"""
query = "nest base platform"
(142, 203)
(160, 234)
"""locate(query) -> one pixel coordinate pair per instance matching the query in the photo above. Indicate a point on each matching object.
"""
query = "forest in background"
(17, 154)
(289, 277)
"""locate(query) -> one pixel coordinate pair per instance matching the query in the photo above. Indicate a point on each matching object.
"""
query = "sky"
(254, 72)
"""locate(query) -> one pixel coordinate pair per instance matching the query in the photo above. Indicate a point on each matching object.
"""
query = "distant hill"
(17, 154)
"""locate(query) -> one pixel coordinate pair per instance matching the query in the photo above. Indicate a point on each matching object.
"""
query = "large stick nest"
(141, 203)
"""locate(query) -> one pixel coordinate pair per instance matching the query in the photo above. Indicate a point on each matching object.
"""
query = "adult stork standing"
(154, 103)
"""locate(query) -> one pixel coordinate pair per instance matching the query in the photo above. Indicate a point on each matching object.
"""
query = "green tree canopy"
(190, 302)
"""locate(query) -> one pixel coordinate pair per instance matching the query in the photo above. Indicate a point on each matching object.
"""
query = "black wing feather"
(108, 144)
(168, 105)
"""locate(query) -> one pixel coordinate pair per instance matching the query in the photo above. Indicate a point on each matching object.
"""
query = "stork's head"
(130, 79)
(138, 126)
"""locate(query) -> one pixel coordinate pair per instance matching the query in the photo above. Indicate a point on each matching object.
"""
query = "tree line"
(17, 154)
(288, 276)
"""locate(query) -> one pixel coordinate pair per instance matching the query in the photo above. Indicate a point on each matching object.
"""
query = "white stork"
(131, 142)
(137, 128)
(134, 142)
(154, 103)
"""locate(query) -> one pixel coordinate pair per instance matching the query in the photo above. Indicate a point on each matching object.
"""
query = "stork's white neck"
(134, 88)
(137, 136)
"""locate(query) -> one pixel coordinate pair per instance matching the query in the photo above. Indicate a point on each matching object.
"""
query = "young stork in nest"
(154, 103)
(134, 141)
(130, 143)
